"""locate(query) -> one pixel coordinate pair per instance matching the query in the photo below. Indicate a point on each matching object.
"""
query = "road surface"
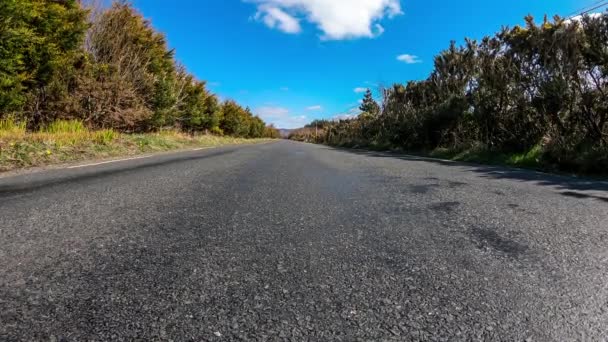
(289, 241)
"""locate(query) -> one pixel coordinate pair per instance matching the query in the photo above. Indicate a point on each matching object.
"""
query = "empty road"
(296, 242)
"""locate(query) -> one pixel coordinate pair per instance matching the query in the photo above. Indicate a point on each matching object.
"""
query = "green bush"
(493, 100)
(124, 78)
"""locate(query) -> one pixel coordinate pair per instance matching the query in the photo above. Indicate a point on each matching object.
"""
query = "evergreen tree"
(37, 37)
(109, 69)
(369, 105)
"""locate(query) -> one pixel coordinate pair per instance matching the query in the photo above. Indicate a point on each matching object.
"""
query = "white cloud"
(284, 88)
(274, 17)
(359, 90)
(579, 18)
(336, 19)
(344, 117)
(315, 107)
(352, 113)
(272, 112)
(281, 117)
(409, 59)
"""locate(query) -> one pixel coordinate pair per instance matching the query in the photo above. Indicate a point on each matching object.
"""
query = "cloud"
(409, 59)
(336, 19)
(344, 117)
(281, 117)
(272, 112)
(274, 17)
(359, 90)
(316, 107)
(352, 113)
(284, 88)
(579, 18)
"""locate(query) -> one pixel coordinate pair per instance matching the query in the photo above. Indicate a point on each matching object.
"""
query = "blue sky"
(292, 61)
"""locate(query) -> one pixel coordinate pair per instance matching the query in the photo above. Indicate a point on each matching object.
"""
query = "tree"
(236, 120)
(37, 38)
(131, 53)
(369, 105)
(540, 90)
(193, 108)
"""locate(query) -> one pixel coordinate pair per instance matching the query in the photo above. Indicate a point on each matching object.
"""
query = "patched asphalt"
(296, 242)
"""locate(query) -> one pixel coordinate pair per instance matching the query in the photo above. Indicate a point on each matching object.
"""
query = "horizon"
(295, 64)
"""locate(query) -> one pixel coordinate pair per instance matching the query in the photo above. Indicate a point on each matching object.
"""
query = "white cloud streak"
(352, 113)
(340, 117)
(274, 17)
(409, 59)
(314, 108)
(281, 117)
(336, 19)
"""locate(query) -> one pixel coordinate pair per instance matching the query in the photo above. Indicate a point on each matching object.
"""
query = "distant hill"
(285, 132)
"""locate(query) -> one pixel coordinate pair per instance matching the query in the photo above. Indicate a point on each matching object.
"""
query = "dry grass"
(10, 128)
(69, 141)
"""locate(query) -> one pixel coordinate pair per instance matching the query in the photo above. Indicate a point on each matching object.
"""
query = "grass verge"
(530, 159)
(534, 159)
(588, 163)
(69, 141)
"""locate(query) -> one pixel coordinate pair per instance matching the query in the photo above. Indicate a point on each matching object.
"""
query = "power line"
(578, 11)
(594, 8)
(588, 9)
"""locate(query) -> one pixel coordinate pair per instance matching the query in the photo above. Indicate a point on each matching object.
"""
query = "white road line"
(127, 159)
(105, 162)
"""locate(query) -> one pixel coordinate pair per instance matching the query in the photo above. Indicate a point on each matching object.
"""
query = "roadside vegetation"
(82, 81)
(71, 141)
(532, 96)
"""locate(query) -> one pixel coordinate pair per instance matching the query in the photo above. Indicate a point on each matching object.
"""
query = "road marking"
(127, 159)
(106, 162)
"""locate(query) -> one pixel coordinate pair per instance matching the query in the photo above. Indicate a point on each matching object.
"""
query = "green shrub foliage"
(108, 68)
(541, 85)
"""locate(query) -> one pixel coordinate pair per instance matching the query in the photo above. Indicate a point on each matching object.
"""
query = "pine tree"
(369, 105)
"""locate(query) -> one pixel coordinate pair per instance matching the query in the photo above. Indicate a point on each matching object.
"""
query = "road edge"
(102, 161)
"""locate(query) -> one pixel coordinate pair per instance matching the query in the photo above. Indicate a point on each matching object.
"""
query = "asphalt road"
(289, 241)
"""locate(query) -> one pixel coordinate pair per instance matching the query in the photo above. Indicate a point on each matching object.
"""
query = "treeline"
(106, 67)
(313, 132)
(539, 91)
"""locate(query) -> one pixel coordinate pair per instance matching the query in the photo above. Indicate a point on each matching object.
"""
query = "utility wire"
(586, 10)
(581, 10)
